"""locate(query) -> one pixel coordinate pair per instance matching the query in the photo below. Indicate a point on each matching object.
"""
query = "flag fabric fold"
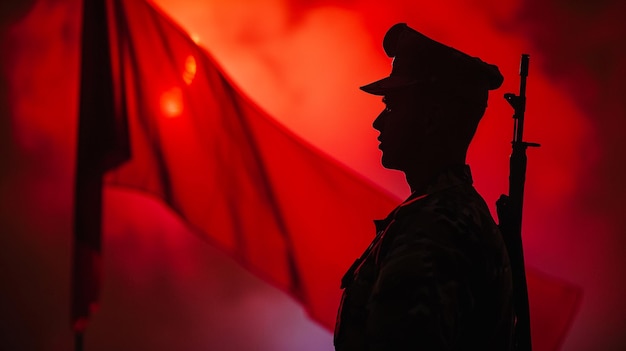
(284, 210)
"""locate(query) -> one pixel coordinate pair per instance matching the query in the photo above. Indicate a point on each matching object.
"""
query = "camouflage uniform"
(436, 277)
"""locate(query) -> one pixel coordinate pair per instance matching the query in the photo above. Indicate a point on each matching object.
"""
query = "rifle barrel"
(510, 213)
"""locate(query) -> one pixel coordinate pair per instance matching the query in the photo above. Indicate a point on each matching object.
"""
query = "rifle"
(509, 209)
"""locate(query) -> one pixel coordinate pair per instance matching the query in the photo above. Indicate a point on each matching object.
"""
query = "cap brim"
(387, 84)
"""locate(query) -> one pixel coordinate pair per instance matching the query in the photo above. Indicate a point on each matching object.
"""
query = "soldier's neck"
(421, 177)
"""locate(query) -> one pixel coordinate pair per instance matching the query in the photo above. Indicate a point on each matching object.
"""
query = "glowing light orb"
(195, 37)
(190, 69)
(172, 102)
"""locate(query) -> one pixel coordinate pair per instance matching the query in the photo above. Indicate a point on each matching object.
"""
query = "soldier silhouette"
(437, 275)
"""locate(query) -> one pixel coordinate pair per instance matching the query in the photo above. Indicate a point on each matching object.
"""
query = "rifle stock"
(509, 209)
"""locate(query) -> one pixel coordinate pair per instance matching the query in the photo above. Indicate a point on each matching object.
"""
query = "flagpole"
(96, 133)
(78, 341)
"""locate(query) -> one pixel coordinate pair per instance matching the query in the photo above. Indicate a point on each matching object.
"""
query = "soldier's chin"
(389, 163)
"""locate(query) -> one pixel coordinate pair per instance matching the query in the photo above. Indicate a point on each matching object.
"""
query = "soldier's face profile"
(403, 127)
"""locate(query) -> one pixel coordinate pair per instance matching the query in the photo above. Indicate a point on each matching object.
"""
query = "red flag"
(553, 305)
(247, 184)
(287, 212)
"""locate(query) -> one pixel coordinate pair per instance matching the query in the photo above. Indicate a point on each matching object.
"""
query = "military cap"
(419, 60)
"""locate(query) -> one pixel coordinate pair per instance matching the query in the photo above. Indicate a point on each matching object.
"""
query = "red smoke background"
(165, 289)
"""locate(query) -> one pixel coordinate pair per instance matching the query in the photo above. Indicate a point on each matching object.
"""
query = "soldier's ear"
(433, 120)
